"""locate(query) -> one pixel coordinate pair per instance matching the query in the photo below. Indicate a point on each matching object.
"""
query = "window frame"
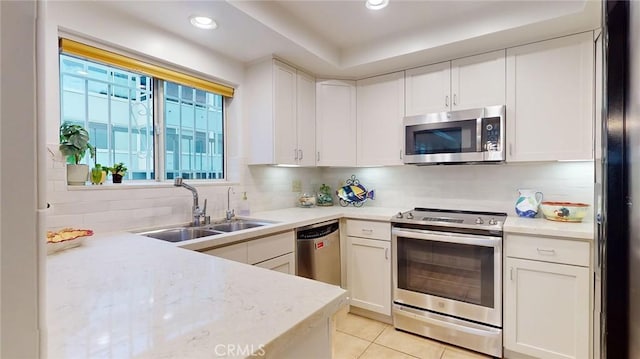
(158, 121)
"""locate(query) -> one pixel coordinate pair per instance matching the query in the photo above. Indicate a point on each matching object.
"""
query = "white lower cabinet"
(234, 252)
(274, 252)
(369, 272)
(547, 304)
(285, 264)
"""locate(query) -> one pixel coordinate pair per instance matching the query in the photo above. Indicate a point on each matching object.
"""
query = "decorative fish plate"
(353, 193)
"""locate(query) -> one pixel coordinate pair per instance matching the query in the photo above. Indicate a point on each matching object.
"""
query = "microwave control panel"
(491, 134)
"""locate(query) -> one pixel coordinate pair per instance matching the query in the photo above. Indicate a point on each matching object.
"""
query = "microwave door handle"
(479, 135)
(471, 239)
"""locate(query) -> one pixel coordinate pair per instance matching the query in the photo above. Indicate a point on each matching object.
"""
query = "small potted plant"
(117, 171)
(74, 143)
(98, 174)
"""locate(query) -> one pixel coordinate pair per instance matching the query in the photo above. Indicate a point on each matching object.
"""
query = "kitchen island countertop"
(122, 295)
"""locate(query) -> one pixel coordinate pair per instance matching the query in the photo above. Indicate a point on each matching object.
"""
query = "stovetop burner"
(492, 221)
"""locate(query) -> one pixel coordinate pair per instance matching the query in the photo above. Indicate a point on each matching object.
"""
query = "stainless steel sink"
(180, 234)
(185, 233)
(236, 225)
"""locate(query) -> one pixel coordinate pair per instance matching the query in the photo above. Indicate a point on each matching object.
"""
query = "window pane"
(116, 107)
(193, 133)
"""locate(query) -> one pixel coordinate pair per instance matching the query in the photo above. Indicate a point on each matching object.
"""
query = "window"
(193, 133)
(160, 129)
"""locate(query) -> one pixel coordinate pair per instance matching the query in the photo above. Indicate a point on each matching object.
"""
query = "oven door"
(449, 273)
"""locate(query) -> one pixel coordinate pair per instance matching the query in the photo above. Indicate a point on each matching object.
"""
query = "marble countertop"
(122, 295)
(544, 227)
(288, 219)
(291, 218)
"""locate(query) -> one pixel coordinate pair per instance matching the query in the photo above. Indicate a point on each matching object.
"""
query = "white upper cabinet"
(550, 90)
(428, 89)
(380, 108)
(336, 123)
(478, 81)
(284, 113)
(281, 114)
(306, 115)
(469, 82)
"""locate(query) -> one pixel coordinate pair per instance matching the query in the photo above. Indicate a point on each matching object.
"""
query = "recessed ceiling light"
(376, 4)
(203, 22)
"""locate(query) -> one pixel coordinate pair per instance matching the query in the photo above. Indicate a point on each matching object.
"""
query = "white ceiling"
(344, 39)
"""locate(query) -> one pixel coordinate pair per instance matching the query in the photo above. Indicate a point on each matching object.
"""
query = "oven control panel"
(452, 218)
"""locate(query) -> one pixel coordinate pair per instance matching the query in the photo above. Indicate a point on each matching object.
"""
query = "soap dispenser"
(243, 208)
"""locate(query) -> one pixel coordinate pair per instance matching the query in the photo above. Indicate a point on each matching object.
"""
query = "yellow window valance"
(75, 48)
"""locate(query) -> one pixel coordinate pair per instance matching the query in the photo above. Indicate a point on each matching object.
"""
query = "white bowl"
(564, 211)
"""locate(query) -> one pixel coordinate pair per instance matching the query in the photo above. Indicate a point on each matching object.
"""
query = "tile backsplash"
(475, 187)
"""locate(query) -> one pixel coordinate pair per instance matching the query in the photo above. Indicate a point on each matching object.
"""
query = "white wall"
(19, 265)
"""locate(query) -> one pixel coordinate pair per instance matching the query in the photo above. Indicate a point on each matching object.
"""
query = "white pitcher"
(528, 202)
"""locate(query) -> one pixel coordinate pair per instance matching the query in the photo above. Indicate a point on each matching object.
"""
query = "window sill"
(146, 184)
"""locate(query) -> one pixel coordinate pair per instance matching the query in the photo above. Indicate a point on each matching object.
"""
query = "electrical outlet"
(296, 185)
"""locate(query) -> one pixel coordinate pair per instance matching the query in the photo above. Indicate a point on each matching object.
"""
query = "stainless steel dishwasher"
(318, 252)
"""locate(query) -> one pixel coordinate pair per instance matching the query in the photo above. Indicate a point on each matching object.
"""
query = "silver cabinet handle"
(510, 149)
(544, 251)
(386, 253)
(400, 154)
(511, 273)
(455, 102)
(318, 157)
(367, 230)
(446, 101)
(295, 154)
(301, 155)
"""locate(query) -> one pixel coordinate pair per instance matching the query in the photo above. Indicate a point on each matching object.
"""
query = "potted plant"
(74, 143)
(117, 171)
(98, 174)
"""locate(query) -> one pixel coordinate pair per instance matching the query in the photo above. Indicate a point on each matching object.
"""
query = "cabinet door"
(284, 108)
(478, 81)
(550, 87)
(546, 309)
(369, 274)
(234, 252)
(306, 113)
(336, 123)
(284, 264)
(428, 89)
(380, 103)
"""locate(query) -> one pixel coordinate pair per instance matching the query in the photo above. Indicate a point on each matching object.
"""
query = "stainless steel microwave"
(475, 135)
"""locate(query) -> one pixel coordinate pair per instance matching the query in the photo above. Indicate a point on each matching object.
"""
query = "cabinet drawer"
(369, 229)
(547, 249)
(234, 252)
(270, 247)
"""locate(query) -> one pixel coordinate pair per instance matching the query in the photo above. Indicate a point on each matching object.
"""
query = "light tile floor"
(364, 338)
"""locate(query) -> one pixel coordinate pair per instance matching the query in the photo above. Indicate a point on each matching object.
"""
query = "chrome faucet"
(197, 212)
(230, 212)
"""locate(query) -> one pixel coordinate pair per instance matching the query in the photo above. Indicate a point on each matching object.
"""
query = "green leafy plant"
(74, 142)
(117, 169)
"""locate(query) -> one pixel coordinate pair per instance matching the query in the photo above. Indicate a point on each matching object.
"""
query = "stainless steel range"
(447, 276)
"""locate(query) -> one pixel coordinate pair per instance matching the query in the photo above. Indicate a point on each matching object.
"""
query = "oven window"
(455, 271)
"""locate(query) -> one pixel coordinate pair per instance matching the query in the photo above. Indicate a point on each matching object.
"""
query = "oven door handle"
(450, 237)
